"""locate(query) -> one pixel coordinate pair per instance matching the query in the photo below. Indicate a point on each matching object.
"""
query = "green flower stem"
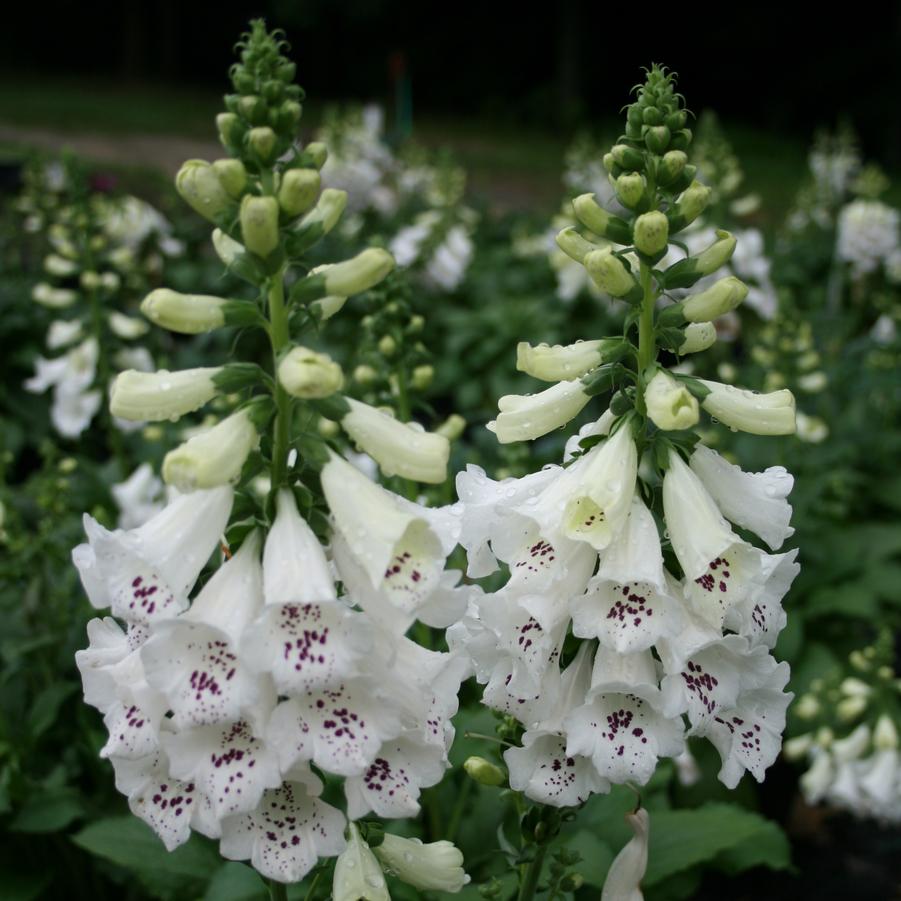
(647, 345)
(530, 874)
(405, 414)
(278, 891)
(279, 337)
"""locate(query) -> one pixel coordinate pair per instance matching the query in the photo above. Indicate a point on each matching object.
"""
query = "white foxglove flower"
(287, 832)
(868, 235)
(72, 411)
(399, 448)
(447, 266)
(396, 548)
(552, 364)
(747, 411)
(193, 659)
(127, 327)
(358, 875)
(671, 406)
(139, 497)
(524, 417)
(755, 501)
(623, 882)
(155, 396)
(145, 574)
(53, 298)
(437, 866)
(62, 333)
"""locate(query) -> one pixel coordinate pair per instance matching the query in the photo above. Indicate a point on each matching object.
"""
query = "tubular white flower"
(525, 417)
(308, 374)
(399, 448)
(358, 274)
(358, 875)
(146, 574)
(227, 249)
(698, 336)
(623, 882)
(214, 457)
(553, 363)
(295, 569)
(187, 314)
(816, 781)
(590, 500)
(139, 497)
(127, 327)
(753, 500)
(395, 547)
(193, 659)
(155, 396)
(630, 604)
(759, 414)
(671, 406)
(288, 831)
(62, 333)
(720, 298)
(437, 866)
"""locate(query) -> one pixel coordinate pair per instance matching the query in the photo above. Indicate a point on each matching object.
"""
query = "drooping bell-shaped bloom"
(358, 875)
(623, 882)
(436, 866)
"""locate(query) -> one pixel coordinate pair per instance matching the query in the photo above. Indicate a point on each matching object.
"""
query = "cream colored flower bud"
(110, 281)
(422, 377)
(358, 875)
(759, 414)
(885, 735)
(233, 176)
(298, 190)
(229, 127)
(259, 224)
(437, 866)
(670, 405)
(555, 363)
(155, 396)
(328, 428)
(328, 306)
(484, 771)
(262, 141)
(365, 375)
(326, 213)
(807, 707)
(698, 336)
(227, 249)
(717, 254)
(796, 748)
(651, 232)
(399, 448)
(573, 244)
(721, 297)
(59, 266)
(187, 314)
(452, 427)
(199, 186)
(854, 687)
(53, 298)
(214, 457)
(308, 374)
(358, 274)
(387, 346)
(525, 417)
(127, 327)
(609, 273)
(691, 203)
(89, 280)
(630, 188)
(850, 708)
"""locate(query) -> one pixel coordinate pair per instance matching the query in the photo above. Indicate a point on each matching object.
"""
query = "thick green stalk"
(278, 891)
(531, 873)
(404, 414)
(279, 337)
(647, 345)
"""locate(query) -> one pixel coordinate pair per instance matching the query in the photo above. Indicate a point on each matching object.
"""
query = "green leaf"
(683, 838)
(48, 810)
(46, 706)
(235, 882)
(596, 856)
(846, 599)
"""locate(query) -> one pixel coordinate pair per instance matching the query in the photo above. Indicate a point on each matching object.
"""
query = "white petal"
(295, 569)
(623, 882)
(108, 646)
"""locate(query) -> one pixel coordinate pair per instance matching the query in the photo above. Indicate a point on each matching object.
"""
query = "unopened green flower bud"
(721, 297)
(200, 187)
(452, 427)
(252, 108)
(630, 189)
(308, 374)
(717, 254)
(288, 115)
(671, 166)
(89, 280)
(326, 307)
(572, 882)
(594, 216)
(859, 661)
(324, 216)
(155, 396)
(651, 233)
(422, 377)
(850, 708)
(416, 324)
(298, 190)
(232, 174)
(317, 152)
(230, 130)
(610, 274)
(193, 314)
(758, 414)
(484, 771)
(214, 457)
(670, 405)
(365, 375)
(698, 336)
(657, 138)
(627, 157)
(573, 244)
(262, 141)
(885, 735)
(387, 346)
(259, 224)
(328, 428)
(609, 161)
(691, 203)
